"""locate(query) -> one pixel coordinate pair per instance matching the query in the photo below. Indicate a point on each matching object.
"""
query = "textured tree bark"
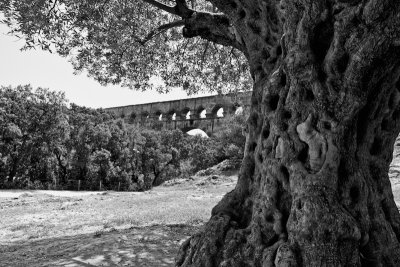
(313, 189)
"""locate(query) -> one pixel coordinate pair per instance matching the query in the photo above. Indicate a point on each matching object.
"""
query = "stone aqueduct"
(186, 114)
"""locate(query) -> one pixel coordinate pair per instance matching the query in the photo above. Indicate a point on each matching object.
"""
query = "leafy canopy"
(130, 42)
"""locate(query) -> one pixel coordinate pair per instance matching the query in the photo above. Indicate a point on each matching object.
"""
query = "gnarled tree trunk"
(313, 189)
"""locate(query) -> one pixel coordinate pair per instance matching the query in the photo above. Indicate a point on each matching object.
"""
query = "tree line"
(46, 144)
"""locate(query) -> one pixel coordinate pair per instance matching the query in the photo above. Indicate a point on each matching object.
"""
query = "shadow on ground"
(140, 246)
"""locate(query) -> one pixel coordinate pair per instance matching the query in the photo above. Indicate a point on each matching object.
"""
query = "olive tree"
(313, 188)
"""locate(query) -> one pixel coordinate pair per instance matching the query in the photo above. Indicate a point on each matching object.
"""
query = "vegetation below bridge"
(46, 145)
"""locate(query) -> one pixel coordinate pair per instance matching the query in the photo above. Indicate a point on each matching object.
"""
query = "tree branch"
(212, 27)
(161, 29)
(183, 9)
(52, 8)
(161, 6)
(204, 55)
(209, 26)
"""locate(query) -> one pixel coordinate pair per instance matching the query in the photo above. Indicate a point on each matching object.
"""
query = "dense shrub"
(230, 139)
(45, 145)
(202, 152)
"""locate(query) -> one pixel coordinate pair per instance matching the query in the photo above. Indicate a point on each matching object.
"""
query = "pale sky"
(42, 69)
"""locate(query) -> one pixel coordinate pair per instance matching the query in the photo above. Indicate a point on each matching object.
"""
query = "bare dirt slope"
(107, 228)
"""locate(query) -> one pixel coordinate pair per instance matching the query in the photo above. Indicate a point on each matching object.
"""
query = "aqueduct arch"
(143, 114)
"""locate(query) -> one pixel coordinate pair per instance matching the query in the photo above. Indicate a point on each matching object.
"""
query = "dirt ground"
(137, 246)
(61, 228)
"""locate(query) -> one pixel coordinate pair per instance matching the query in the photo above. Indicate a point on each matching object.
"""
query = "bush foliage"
(46, 145)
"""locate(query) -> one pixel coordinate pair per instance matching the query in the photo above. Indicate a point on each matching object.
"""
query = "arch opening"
(197, 132)
(239, 110)
(145, 115)
(217, 111)
(171, 115)
(201, 112)
(185, 113)
(159, 115)
(132, 117)
(220, 113)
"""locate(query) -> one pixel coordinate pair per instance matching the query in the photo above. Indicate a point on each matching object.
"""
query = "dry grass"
(37, 223)
(106, 229)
